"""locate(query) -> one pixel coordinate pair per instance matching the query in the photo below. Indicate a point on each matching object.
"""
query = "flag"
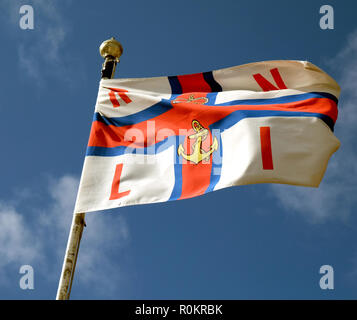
(169, 138)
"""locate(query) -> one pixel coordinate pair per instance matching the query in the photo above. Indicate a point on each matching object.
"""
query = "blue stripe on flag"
(144, 115)
(120, 150)
(238, 115)
(280, 100)
(177, 190)
(216, 163)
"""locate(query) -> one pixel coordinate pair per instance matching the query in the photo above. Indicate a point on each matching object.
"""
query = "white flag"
(169, 138)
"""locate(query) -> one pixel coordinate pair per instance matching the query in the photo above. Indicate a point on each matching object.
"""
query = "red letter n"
(115, 194)
(268, 86)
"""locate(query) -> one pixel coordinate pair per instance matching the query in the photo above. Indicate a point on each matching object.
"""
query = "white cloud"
(336, 196)
(95, 267)
(42, 51)
(39, 237)
(17, 244)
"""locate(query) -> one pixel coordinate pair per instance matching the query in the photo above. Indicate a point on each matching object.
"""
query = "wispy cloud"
(95, 268)
(39, 237)
(16, 242)
(42, 53)
(336, 196)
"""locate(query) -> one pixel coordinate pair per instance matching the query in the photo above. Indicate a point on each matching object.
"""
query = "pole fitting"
(110, 50)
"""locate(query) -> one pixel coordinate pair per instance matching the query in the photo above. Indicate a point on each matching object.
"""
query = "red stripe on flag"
(103, 135)
(265, 141)
(196, 177)
(193, 83)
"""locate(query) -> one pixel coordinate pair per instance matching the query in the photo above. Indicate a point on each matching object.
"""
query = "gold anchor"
(198, 153)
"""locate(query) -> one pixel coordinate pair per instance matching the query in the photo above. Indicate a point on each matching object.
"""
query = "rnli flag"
(170, 138)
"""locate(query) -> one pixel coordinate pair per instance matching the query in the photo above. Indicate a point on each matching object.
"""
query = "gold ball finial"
(112, 48)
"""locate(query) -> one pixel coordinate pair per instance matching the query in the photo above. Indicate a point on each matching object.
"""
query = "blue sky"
(248, 242)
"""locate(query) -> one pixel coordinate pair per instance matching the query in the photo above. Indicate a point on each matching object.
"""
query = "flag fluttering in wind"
(169, 138)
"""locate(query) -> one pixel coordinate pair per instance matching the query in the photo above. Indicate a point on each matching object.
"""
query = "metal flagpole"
(111, 51)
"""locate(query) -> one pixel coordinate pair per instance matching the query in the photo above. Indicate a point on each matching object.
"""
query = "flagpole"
(111, 51)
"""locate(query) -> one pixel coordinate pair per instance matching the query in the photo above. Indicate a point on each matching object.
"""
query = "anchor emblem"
(198, 154)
